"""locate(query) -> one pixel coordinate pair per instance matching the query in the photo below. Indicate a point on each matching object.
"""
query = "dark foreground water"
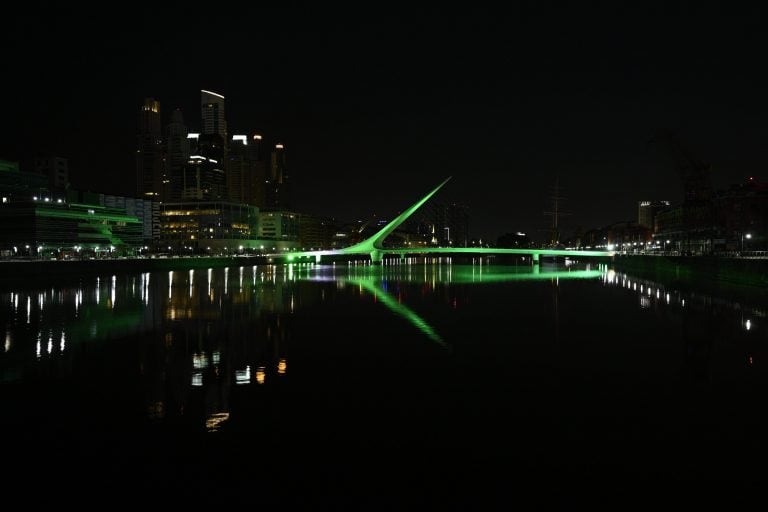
(369, 388)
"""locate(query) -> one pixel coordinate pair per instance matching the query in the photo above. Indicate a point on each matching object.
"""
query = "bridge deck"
(447, 251)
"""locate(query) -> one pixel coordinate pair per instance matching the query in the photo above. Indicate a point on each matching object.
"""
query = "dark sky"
(377, 105)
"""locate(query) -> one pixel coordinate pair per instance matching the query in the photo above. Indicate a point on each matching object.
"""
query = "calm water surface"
(394, 387)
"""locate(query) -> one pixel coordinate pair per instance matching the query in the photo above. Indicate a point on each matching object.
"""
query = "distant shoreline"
(682, 269)
(24, 269)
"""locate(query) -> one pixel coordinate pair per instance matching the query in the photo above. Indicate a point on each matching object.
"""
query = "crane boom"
(694, 173)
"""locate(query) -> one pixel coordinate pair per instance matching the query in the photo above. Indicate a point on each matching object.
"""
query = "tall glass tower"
(212, 106)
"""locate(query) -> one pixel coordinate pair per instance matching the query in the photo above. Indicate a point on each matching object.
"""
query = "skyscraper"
(212, 106)
(258, 173)
(177, 154)
(203, 180)
(245, 171)
(149, 151)
(278, 193)
(210, 170)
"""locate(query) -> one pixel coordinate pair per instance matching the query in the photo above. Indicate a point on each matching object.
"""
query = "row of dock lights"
(625, 281)
(46, 199)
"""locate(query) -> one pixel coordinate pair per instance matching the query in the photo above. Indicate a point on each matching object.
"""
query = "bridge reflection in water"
(374, 278)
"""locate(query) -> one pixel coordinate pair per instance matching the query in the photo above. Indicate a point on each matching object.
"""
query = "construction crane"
(696, 226)
(694, 173)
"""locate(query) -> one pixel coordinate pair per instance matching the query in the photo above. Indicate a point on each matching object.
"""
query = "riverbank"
(727, 276)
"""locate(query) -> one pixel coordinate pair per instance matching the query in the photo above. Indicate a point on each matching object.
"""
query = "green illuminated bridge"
(374, 246)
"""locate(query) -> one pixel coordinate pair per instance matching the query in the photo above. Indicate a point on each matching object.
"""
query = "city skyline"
(505, 104)
(363, 257)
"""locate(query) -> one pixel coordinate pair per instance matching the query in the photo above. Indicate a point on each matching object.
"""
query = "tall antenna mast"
(554, 237)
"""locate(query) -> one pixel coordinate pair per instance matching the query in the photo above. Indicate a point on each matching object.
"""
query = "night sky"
(375, 106)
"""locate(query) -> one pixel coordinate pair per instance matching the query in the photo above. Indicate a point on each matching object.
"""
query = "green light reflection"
(466, 274)
(371, 277)
(374, 288)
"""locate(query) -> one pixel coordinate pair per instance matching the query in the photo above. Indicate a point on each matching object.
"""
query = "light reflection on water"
(77, 314)
(69, 315)
(215, 347)
(79, 319)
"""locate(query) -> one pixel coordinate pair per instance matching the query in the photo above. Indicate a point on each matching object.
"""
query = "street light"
(743, 236)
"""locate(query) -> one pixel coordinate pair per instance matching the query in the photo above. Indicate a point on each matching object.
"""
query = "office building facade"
(149, 152)
(647, 211)
(38, 227)
(278, 182)
(55, 169)
(208, 226)
(214, 120)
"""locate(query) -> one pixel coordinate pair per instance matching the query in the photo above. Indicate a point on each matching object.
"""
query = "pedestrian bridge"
(374, 246)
